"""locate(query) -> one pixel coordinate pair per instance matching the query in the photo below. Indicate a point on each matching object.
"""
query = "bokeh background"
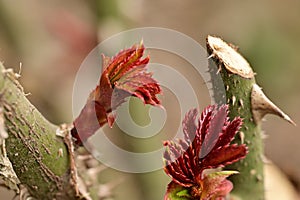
(51, 39)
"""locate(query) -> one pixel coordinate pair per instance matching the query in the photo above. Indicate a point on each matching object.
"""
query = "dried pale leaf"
(3, 133)
(7, 174)
(24, 194)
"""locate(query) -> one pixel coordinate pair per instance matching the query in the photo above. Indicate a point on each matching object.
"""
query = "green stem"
(238, 80)
(39, 157)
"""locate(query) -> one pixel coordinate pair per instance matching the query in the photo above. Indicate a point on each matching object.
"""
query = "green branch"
(246, 100)
(39, 158)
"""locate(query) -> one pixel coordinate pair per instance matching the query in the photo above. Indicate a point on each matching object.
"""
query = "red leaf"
(224, 156)
(124, 75)
(212, 136)
(204, 123)
(213, 129)
(230, 131)
(189, 125)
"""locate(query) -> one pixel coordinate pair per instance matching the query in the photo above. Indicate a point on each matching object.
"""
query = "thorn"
(18, 75)
(242, 137)
(234, 82)
(287, 118)
(253, 172)
(60, 152)
(219, 69)
(105, 61)
(227, 87)
(20, 68)
(233, 100)
(262, 105)
(209, 57)
(241, 103)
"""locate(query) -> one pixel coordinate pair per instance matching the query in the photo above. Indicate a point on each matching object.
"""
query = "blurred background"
(52, 38)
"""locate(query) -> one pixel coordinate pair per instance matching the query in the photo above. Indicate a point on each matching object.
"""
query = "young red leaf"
(205, 145)
(224, 156)
(124, 75)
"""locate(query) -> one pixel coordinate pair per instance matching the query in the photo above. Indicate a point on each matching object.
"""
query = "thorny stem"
(246, 100)
(39, 157)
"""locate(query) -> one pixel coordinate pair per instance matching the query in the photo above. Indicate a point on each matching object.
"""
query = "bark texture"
(39, 157)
